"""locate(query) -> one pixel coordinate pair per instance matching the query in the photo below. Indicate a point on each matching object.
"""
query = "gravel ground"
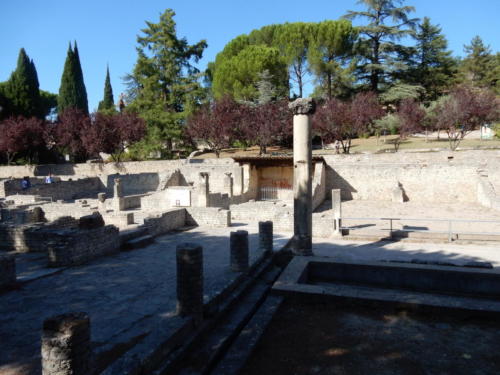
(328, 339)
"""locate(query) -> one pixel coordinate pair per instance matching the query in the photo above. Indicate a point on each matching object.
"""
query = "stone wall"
(426, 178)
(208, 216)
(59, 190)
(166, 222)
(132, 201)
(74, 247)
(54, 211)
(31, 237)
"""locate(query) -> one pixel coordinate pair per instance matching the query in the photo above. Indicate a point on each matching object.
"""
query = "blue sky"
(106, 31)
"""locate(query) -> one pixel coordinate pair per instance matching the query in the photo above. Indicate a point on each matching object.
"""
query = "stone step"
(138, 242)
(215, 347)
(203, 351)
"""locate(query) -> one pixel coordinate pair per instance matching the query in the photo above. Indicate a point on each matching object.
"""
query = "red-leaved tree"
(466, 109)
(342, 121)
(112, 134)
(329, 120)
(215, 124)
(266, 124)
(411, 118)
(21, 135)
(68, 131)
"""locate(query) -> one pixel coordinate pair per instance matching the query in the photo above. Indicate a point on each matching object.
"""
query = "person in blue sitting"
(25, 183)
(49, 179)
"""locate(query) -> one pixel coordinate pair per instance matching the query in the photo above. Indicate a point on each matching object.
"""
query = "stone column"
(203, 190)
(337, 211)
(118, 188)
(7, 270)
(118, 203)
(302, 109)
(190, 280)
(238, 243)
(266, 236)
(66, 345)
(228, 184)
(101, 198)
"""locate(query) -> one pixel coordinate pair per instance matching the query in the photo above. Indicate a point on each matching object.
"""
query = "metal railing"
(268, 193)
(450, 231)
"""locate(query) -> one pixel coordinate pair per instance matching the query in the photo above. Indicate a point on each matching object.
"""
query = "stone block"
(397, 195)
(91, 221)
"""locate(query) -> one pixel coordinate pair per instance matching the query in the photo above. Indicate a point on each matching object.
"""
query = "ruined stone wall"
(281, 215)
(166, 222)
(216, 173)
(74, 247)
(208, 216)
(59, 190)
(426, 178)
(31, 238)
(55, 210)
(89, 169)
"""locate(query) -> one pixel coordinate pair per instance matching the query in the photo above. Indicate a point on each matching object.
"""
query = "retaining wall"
(374, 178)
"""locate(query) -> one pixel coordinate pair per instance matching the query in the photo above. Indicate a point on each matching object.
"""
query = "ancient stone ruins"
(213, 242)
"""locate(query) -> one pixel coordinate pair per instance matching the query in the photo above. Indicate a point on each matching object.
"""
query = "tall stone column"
(302, 109)
(203, 190)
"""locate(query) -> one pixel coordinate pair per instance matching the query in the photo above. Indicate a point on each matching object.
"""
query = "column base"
(301, 245)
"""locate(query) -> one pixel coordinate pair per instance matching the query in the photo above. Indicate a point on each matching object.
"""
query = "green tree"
(4, 101)
(22, 88)
(480, 67)
(48, 103)
(330, 50)
(387, 23)
(238, 75)
(430, 62)
(292, 39)
(108, 102)
(164, 87)
(72, 91)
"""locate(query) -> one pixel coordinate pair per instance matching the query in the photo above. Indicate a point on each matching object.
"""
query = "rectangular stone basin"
(397, 283)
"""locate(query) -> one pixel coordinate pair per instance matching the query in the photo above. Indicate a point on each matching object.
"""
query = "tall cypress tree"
(22, 88)
(108, 102)
(72, 92)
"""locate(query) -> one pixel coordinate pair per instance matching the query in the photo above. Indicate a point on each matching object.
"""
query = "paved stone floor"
(405, 251)
(131, 292)
(125, 294)
(429, 216)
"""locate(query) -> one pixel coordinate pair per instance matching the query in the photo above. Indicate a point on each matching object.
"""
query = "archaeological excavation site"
(278, 264)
